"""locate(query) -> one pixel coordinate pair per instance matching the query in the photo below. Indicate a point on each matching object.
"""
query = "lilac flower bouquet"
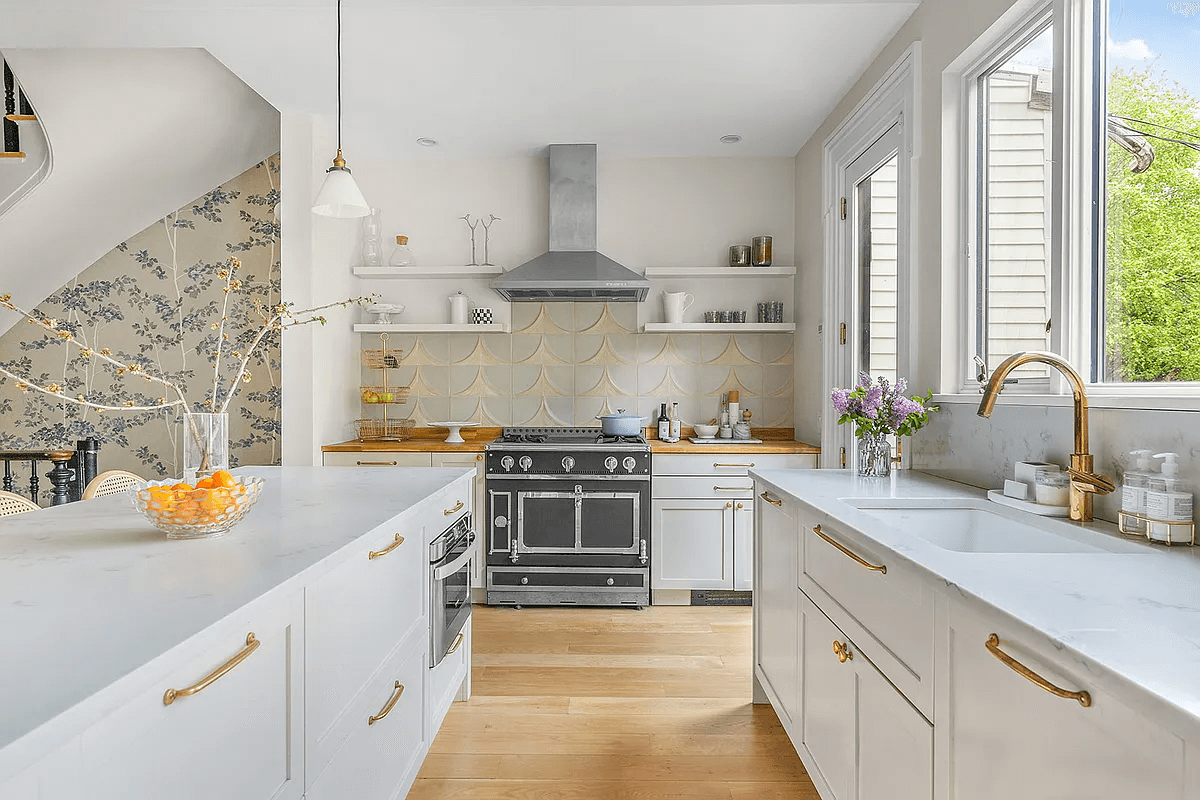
(880, 409)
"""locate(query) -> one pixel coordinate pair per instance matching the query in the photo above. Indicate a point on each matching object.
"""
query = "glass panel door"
(546, 521)
(610, 521)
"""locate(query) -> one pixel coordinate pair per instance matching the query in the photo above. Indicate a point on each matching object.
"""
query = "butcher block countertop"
(432, 440)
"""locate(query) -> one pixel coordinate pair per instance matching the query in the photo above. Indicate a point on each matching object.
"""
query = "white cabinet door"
(865, 740)
(743, 545)
(1011, 738)
(692, 544)
(776, 599)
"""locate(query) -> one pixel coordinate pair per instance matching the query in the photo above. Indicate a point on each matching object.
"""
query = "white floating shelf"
(719, 327)
(431, 327)
(420, 272)
(720, 272)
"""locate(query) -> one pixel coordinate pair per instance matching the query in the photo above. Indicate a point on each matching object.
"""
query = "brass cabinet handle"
(479, 457)
(718, 464)
(374, 554)
(457, 643)
(739, 505)
(172, 695)
(391, 703)
(880, 568)
(731, 488)
(993, 646)
(377, 463)
(450, 511)
(771, 500)
(729, 505)
(842, 651)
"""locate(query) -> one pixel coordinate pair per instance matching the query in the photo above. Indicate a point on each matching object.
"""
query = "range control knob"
(507, 463)
(629, 463)
(610, 581)
(526, 463)
(568, 463)
(610, 463)
(524, 581)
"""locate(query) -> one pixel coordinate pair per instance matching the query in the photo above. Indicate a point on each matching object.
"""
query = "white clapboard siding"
(1018, 187)
(883, 271)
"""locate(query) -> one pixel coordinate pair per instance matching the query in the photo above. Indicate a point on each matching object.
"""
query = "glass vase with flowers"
(879, 409)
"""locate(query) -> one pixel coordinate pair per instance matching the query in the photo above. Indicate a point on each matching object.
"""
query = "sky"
(1164, 34)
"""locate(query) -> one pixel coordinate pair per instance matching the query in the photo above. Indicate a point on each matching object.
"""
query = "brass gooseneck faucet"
(1084, 481)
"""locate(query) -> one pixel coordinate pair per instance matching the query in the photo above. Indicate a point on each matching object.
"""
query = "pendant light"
(340, 196)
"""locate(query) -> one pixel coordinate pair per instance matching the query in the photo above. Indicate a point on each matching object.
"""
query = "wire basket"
(384, 430)
(383, 395)
(382, 359)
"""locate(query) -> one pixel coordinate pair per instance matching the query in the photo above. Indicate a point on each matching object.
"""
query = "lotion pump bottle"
(1169, 499)
(1133, 493)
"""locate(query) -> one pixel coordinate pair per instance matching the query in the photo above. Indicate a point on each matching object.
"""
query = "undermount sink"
(987, 530)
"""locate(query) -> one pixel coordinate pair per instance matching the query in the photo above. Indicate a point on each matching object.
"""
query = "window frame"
(1077, 228)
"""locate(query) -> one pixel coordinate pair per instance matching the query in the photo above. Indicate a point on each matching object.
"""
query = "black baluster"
(60, 478)
(88, 452)
(33, 481)
(8, 476)
(12, 134)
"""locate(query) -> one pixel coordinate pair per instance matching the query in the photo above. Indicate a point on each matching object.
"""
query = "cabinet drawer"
(729, 463)
(356, 615)
(447, 678)
(883, 605)
(703, 487)
(378, 757)
(377, 459)
(231, 736)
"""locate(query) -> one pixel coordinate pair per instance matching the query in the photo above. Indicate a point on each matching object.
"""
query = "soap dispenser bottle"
(1133, 493)
(1169, 499)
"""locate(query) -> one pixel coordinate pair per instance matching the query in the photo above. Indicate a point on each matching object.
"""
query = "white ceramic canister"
(675, 303)
(460, 309)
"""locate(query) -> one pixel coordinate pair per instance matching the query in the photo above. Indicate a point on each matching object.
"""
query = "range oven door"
(542, 521)
(450, 589)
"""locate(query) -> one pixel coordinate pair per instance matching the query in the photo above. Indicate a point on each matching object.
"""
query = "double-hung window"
(1080, 153)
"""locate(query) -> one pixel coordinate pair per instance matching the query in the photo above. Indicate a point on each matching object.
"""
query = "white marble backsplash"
(962, 446)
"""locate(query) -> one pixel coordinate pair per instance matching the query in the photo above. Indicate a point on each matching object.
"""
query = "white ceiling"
(504, 78)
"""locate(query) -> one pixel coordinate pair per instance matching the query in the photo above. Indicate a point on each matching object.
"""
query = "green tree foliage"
(1153, 238)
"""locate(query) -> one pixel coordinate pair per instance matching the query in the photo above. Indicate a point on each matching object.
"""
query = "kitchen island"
(103, 614)
(918, 641)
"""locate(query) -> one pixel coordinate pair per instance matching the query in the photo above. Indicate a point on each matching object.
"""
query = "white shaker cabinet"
(694, 543)
(776, 605)
(1010, 737)
(863, 737)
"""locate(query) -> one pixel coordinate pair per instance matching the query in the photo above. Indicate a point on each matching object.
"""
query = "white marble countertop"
(90, 591)
(1130, 619)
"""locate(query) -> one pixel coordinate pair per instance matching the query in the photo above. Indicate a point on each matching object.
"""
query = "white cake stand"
(455, 436)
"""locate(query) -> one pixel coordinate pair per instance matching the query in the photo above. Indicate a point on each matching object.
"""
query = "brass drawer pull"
(172, 695)
(457, 506)
(718, 464)
(993, 646)
(771, 500)
(880, 568)
(374, 554)
(479, 457)
(842, 651)
(731, 488)
(377, 463)
(457, 643)
(391, 703)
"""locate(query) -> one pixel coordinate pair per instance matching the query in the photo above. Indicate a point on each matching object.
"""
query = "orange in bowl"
(211, 508)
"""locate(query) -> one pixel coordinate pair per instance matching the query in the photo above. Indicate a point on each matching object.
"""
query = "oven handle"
(445, 571)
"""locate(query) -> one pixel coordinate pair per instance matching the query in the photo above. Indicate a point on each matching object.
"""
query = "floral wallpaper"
(155, 301)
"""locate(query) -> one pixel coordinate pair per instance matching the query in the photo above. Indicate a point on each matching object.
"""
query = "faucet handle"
(1091, 482)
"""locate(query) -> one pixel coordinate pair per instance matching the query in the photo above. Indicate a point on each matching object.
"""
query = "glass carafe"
(402, 256)
(372, 248)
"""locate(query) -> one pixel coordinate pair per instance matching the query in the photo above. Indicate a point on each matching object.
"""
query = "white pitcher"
(460, 309)
(675, 303)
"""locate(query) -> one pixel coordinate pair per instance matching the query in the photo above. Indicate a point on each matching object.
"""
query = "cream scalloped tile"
(750, 345)
(730, 351)
(430, 410)
(777, 412)
(475, 381)
(428, 351)
(674, 382)
(497, 411)
(606, 321)
(466, 409)
(719, 379)
(779, 381)
(546, 382)
(544, 321)
(539, 413)
(430, 382)
(751, 378)
(550, 349)
(474, 350)
(601, 351)
(605, 381)
(672, 349)
(778, 349)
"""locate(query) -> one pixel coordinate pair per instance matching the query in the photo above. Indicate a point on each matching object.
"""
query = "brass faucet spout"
(1084, 481)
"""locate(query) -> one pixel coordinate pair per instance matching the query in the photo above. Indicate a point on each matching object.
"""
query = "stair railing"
(16, 110)
(73, 470)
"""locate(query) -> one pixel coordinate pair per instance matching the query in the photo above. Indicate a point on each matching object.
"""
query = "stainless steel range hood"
(572, 269)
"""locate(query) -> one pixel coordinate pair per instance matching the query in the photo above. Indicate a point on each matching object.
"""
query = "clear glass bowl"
(196, 513)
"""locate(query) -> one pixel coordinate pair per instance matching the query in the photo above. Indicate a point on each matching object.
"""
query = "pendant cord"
(339, 76)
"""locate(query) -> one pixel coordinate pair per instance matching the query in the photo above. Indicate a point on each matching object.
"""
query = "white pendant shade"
(340, 196)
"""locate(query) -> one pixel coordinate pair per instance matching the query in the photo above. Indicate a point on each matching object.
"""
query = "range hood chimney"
(572, 270)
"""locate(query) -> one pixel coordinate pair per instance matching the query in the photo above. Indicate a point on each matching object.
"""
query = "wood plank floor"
(595, 704)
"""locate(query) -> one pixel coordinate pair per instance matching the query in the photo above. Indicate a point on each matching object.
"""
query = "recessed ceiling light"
(731, 138)
(425, 141)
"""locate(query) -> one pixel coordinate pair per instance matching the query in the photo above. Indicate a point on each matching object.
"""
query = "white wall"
(958, 444)
(652, 212)
(135, 134)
